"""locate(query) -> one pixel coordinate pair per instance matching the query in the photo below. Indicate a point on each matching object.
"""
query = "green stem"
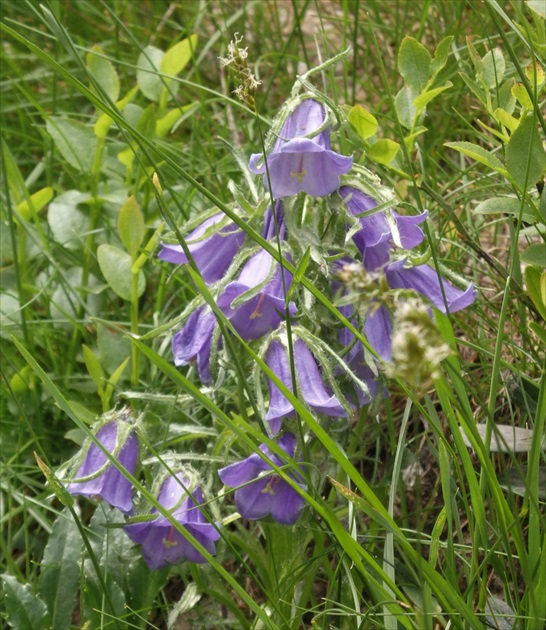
(135, 353)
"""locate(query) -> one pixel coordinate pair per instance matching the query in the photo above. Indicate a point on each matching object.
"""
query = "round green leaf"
(364, 123)
(103, 72)
(524, 153)
(148, 79)
(68, 223)
(115, 265)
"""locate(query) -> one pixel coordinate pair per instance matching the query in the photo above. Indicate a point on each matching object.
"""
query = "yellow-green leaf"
(525, 154)
(131, 226)
(38, 200)
(103, 72)
(504, 118)
(364, 123)
(481, 155)
(522, 96)
(177, 57)
(384, 151)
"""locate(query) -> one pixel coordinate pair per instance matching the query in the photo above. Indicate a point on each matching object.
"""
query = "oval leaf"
(24, 609)
(384, 151)
(535, 254)
(177, 57)
(67, 222)
(76, 142)
(148, 79)
(116, 268)
(103, 72)
(364, 123)
(131, 225)
(414, 63)
(524, 154)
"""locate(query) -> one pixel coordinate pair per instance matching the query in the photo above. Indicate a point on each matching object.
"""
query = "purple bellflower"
(310, 384)
(268, 493)
(299, 163)
(426, 281)
(97, 477)
(193, 344)
(213, 254)
(162, 544)
(375, 239)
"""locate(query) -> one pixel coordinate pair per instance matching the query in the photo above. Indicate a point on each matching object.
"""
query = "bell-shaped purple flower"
(213, 251)
(299, 163)
(97, 477)
(161, 542)
(269, 493)
(193, 343)
(309, 380)
(375, 239)
(426, 281)
(263, 310)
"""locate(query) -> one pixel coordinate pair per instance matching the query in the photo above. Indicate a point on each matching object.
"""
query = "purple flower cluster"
(300, 160)
(98, 478)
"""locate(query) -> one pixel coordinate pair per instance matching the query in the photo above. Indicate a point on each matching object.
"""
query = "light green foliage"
(61, 571)
(68, 219)
(364, 123)
(76, 142)
(131, 225)
(414, 63)
(115, 265)
(24, 609)
(525, 157)
(104, 73)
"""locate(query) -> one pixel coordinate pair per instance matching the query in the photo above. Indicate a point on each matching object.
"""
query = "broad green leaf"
(535, 279)
(104, 122)
(24, 609)
(94, 368)
(493, 67)
(535, 254)
(504, 98)
(112, 347)
(103, 72)
(364, 123)
(68, 223)
(504, 118)
(535, 73)
(37, 200)
(525, 154)
(164, 124)
(146, 123)
(405, 109)
(414, 62)
(60, 580)
(76, 142)
(538, 6)
(423, 99)
(131, 226)
(440, 55)
(384, 151)
(177, 57)
(115, 265)
(505, 205)
(148, 79)
(520, 93)
(476, 88)
(479, 154)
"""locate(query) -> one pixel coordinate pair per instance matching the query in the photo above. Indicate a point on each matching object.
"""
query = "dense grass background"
(436, 533)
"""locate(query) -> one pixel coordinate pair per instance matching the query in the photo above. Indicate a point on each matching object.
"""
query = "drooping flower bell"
(301, 159)
(212, 249)
(161, 542)
(96, 476)
(268, 493)
(309, 381)
(426, 281)
(193, 344)
(378, 235)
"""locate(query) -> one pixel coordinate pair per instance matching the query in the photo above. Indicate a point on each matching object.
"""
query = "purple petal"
(194, 337)
(410, 234)
(212, 254)
(307, 117)
(378, 331)
(310, 381)
(279, 407)
(253, 501)
(240, 472)
(117, 489)
(285, 504)
(425, 280)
